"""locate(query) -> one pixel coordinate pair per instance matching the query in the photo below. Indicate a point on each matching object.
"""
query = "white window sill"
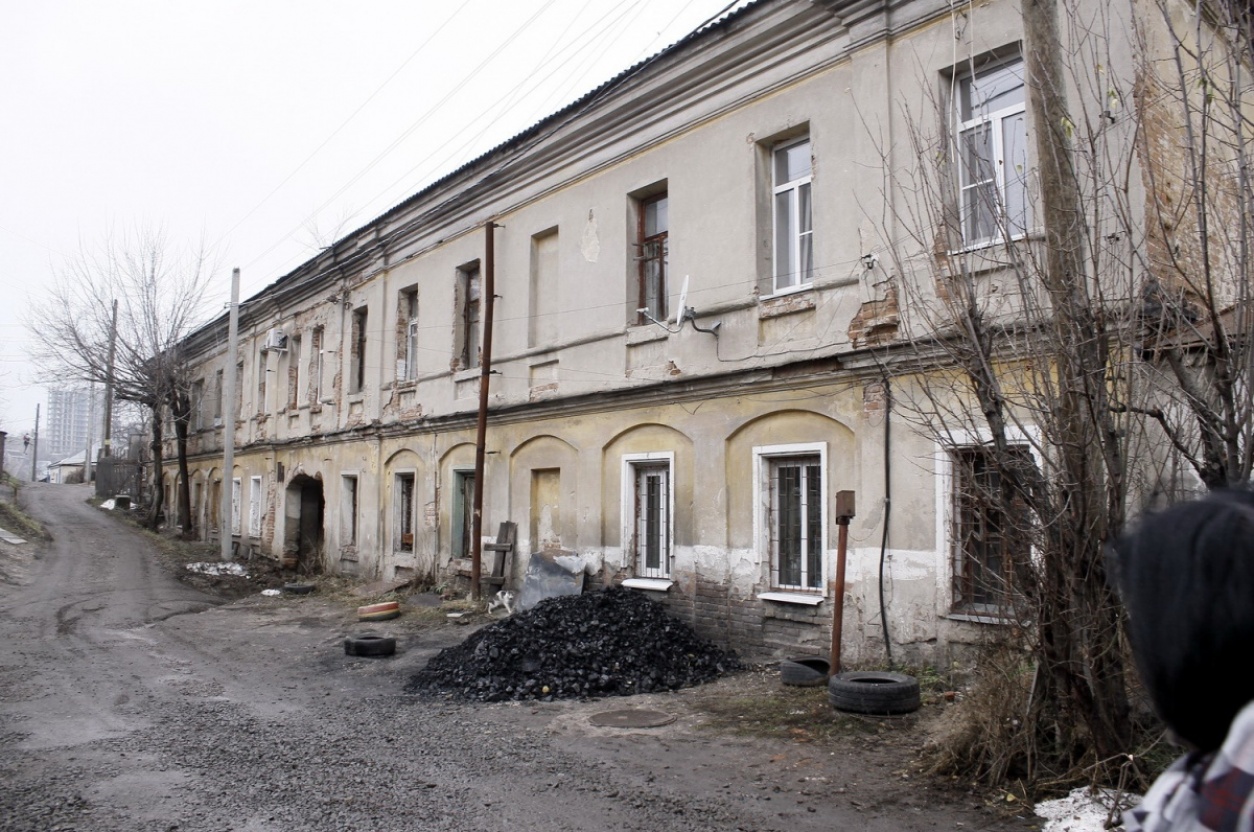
(785, 292)
(651, 584)
(979, 618)
(805, 598)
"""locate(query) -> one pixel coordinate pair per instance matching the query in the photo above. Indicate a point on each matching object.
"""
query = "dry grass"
(754, 703)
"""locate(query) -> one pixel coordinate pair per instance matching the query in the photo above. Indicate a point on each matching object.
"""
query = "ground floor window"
(404, 512)
(793, 522)
(647, 511)
(989, 530)
(348, 509)
(254, 507)
(463, 513)
(236, 501)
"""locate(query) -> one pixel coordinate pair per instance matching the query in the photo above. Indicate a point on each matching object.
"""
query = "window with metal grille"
(653, 234)
(651, 537)
(404, 521)
(795, 522)
(463, 513)
(990, 531)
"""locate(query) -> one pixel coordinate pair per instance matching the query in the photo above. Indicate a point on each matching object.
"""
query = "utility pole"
(485, 373)
(91, 415)
(34, 454)
(228, 420)
(108, 402)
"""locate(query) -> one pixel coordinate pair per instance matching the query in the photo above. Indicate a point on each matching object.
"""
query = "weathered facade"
(756, 174)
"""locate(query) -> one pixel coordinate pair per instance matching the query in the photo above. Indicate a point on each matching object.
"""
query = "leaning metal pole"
(485, 373)
(229, 413)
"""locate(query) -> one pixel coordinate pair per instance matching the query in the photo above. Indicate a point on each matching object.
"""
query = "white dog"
(504, 600)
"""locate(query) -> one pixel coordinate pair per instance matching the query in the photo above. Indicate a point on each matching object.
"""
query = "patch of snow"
(108, 504)
(1084, 810)
(270, 593)
(218, 568)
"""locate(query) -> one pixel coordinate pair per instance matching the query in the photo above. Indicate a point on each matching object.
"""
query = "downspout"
(888, 507)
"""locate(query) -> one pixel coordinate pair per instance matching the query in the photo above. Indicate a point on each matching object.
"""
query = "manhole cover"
(631, 718)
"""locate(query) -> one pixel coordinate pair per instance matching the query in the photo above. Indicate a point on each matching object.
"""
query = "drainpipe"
(888, 507)
(485, 372)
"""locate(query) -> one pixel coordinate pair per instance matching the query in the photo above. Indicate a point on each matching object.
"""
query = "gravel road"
(130, 701)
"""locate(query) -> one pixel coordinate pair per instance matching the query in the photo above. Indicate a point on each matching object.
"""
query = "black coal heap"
(611, 643)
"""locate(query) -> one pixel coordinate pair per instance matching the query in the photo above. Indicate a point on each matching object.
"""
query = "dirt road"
(129, 701)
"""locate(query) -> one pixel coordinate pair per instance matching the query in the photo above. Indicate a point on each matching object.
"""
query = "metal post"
(107, 448)
(489, 289)
(34, 453)
(844, 513)
(228, 421)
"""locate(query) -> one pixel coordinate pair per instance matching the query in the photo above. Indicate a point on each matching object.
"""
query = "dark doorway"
(303, 529)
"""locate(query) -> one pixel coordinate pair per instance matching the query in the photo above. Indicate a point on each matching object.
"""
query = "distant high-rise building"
(70, 414)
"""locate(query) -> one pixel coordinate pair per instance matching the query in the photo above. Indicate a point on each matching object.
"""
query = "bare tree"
(1081, 345)
(160, 296)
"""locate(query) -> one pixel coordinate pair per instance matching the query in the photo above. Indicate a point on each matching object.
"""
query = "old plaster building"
(692, 338)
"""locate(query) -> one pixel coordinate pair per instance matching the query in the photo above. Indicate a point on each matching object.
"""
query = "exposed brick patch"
(785, 305)
(877, 321)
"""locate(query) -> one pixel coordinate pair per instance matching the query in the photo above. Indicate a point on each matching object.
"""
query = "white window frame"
(995, 121)
(763, 457)
(632, 464)
(400, 516)
(784, 280)
(411, 335)
(254, 507)
(946, 515)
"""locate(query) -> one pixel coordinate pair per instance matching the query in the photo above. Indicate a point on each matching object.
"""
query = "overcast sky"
(266, 127)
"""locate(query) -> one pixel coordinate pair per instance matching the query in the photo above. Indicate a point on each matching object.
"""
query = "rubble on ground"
(611, 643)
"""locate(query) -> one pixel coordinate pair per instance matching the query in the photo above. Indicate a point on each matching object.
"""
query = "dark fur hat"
(1186, 575)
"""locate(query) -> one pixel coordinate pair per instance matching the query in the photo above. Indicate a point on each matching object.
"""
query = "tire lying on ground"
(804, 672)
(298, 589)
(873, 692)
(379, 612)
(369, 645)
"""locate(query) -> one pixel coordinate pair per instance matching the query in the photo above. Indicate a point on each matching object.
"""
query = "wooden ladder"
(502, 550)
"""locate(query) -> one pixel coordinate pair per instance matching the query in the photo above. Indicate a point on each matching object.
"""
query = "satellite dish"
(683, 303)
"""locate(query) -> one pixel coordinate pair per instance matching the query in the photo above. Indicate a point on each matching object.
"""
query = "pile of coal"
(611, 643)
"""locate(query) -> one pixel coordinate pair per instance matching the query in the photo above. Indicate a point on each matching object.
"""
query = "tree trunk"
(1079, 632)
(181, 409)
(158, 469)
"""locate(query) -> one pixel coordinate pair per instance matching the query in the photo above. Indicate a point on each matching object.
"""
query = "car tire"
(297, 589)
(874, 692)
(804, 672)
(369, 645)
(379, 612)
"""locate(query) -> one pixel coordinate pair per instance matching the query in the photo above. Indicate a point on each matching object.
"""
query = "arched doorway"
(303, 515)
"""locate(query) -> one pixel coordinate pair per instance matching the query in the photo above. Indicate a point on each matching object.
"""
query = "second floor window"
(653, 243)
(794, 229)
(409, 318)
(318, 362)
(357, 378)
(993, 155)
(470, 292)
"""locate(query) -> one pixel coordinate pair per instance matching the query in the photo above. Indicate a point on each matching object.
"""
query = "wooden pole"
(844, 513)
